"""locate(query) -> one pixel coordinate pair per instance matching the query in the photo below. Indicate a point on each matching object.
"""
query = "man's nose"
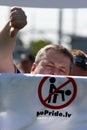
(55, 71)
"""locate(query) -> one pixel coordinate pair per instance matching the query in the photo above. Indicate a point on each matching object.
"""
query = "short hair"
(56, 47)
(80, 58)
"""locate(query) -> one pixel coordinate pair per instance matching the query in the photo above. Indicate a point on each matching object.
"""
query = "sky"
(44, 23)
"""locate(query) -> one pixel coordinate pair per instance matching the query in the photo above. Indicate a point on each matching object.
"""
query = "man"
(53, 59)
(80, 63)
(8, 36)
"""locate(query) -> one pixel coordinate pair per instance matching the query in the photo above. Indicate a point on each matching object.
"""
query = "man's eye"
(48, 66)
(62, 71)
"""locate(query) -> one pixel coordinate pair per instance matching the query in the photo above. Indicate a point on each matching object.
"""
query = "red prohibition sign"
(43, 101)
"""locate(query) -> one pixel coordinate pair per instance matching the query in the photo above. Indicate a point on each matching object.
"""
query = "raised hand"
(18, 20)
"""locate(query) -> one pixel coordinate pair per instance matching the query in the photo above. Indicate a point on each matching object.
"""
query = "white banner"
(46, 3)
(42, 102)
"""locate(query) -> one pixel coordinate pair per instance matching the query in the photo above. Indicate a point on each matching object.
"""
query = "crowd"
(52, 59)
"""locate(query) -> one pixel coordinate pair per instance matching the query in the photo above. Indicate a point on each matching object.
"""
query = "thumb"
(13, 32)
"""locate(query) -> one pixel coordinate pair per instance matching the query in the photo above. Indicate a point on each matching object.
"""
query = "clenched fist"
(18, 20)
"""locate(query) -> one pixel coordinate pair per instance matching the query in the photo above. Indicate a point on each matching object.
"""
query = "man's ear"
(33, 67)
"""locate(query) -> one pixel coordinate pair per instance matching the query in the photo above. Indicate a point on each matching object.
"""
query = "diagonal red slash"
(61, 86)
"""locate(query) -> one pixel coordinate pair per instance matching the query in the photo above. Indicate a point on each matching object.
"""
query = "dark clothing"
(16, 69)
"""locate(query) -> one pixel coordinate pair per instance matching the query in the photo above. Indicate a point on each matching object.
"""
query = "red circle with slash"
(43, 101)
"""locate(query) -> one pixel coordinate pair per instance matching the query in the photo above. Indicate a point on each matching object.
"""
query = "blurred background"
(67, 26)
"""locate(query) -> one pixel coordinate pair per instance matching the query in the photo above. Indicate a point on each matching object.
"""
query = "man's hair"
(56, 47)
(80, 58)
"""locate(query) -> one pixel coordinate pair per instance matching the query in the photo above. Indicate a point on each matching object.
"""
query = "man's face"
(53, 63)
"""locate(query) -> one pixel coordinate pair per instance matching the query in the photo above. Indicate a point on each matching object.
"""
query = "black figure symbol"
(63, 93)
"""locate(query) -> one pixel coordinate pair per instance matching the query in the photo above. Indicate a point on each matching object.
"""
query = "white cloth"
(24, 104)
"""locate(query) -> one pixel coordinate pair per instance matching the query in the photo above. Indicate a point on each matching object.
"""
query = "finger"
(13, 32)
(15, 8)
(18, 19)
